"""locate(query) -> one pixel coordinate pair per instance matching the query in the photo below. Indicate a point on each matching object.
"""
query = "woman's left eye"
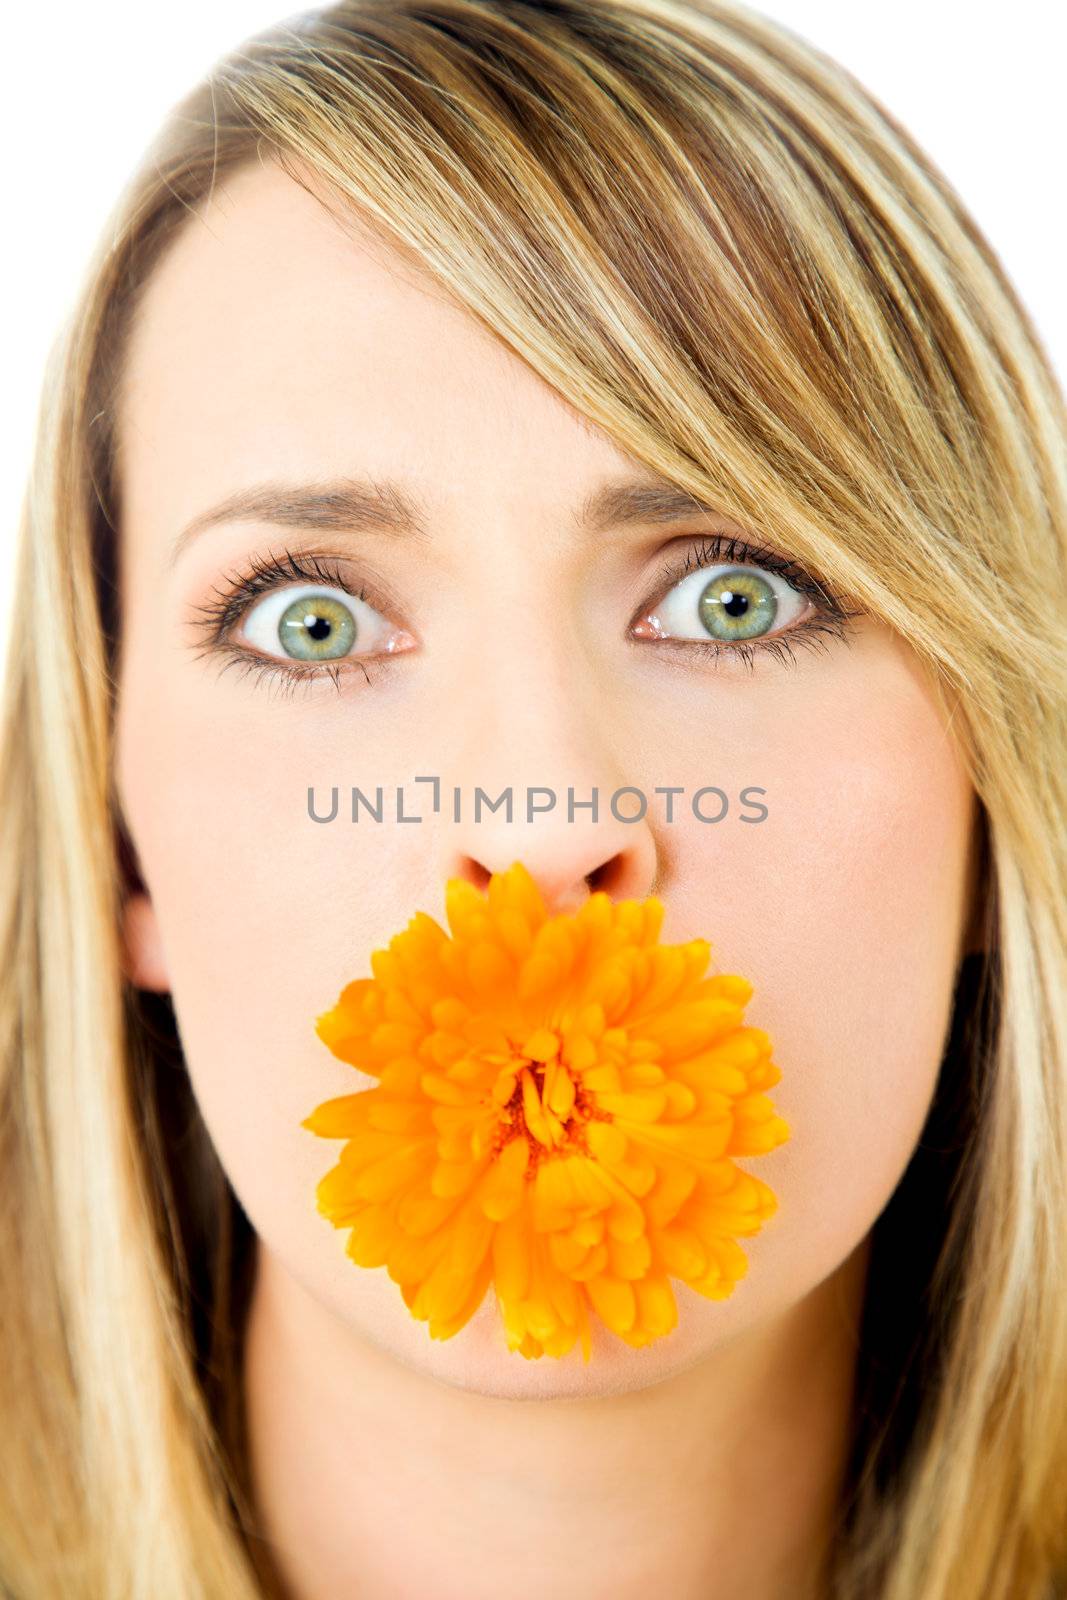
(727, 599)
(732, 605)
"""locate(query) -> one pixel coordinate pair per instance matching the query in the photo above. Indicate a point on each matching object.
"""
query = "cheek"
(845, 909)
(860, 1002)
(263, 915)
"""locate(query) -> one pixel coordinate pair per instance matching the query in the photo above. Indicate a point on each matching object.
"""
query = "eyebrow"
(350, 505)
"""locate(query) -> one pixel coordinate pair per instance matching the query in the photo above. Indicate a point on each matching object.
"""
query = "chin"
(477, 1360)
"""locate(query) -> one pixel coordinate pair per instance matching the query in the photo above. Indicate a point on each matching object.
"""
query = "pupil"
(318, 627)
(735, 604)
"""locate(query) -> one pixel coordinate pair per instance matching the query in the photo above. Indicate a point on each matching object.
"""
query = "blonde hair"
(711, 241)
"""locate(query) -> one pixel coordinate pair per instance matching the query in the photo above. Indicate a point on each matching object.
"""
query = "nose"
(566, 872)
(543, 742)
(588, 831)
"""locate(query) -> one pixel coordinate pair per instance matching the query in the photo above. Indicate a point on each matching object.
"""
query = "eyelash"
(264, 574)
(831, 619)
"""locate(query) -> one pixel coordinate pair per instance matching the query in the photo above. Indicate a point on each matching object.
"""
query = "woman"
(501, 337)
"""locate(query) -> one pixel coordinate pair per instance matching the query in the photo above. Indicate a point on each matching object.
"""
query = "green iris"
(316, 628)
(737, 605)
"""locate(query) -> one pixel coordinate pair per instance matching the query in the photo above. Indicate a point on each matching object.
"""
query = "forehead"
(272, 341)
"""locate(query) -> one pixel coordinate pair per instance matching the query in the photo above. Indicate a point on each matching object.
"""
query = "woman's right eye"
(309, 623)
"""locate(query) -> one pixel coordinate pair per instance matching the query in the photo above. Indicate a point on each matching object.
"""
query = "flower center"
(540, 1100)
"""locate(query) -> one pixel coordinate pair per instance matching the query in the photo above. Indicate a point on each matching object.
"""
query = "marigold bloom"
(559, 1103)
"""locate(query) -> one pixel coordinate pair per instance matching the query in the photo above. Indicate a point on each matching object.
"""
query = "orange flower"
(559, 1102)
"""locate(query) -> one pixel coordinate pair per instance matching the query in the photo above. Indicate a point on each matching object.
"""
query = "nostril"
(479, 876)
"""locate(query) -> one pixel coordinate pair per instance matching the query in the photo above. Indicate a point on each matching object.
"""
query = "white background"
(85, 86)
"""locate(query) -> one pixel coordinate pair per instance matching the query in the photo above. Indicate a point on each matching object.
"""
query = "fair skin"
(274, 347)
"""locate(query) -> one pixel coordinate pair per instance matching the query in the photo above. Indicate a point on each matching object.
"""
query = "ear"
(143, 960)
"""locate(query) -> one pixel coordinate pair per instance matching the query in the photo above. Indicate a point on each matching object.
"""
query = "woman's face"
(495, 643)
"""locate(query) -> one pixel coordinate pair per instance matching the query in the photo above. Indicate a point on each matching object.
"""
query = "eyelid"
(272, 573)
(715, 549)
